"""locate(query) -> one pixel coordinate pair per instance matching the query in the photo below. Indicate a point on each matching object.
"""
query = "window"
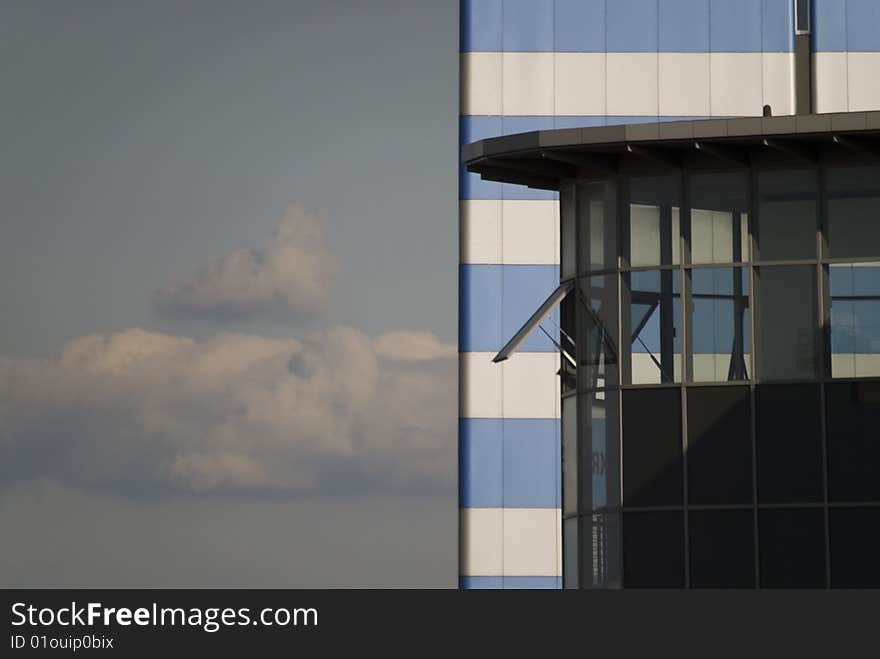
(652, 308)
(719, 453)
(855, 546)
(788, 443)
(568, 232)
(722, 549)
(571, 553)
(855, 320)
(597, 331)
(719, 324)
(787, 214)
(602, 551)
(787, 322)
(569, 455)
(719, 226)
(792, 548)
(802, 16)
(599, 450)
(652, 452)
(597, 231)
(653, 235)
(853, 417)
(653, 550)
(854, 211)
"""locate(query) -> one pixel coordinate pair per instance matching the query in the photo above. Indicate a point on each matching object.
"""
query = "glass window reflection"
(596, 209)
(854, 212)
(597, 352)
(855, 320)
(653, 236)
(719, 217)
(652, 322)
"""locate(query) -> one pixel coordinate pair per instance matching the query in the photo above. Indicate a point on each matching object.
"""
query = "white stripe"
(512, 232)
(523, 387)
(511, 542)
(830, 86)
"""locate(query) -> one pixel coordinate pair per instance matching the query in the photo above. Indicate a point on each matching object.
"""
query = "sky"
(228, 245)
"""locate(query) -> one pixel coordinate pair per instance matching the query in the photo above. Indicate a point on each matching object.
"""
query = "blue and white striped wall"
(538, 64)
(846, 55)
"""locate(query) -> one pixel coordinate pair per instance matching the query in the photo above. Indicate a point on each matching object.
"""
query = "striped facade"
(539, 64)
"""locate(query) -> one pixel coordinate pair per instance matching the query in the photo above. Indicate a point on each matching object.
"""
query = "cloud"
(292, 274)
(146, 413)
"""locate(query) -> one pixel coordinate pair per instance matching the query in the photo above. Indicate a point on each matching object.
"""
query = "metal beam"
(725, 153)
(583, 160)
(662, 156)
(795, 151)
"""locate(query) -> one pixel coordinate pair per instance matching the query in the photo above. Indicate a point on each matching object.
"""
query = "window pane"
(602, 551)
(568, 233)
(569, 455)
(792, 548)
(787, 322)
(570, 553)
(719, 217)
(853, 419)
(722, 549)
(597, 234)
(599, 450)
(597, 326)
(854, 211)
(787, 214)
(855, 546)
(652, 453)
(719, 454)
(855, 320)
(789, 444)
(568, 356)
(654, 236)
(719, 315)
(653, 550)
(652, 320)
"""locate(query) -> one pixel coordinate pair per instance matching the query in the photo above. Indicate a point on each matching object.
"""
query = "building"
(669, 241)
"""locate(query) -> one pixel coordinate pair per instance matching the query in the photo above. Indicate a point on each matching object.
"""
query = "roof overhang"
(545, 159)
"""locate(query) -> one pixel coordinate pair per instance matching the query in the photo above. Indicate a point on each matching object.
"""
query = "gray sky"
(228, 283)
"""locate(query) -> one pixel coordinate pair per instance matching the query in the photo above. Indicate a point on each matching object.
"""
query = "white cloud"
(143, 412)
(292, 274)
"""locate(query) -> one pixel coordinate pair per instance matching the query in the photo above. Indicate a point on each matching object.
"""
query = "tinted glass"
(720, 324)
(569, 455)
(719, 217)
(855, 320)
(570, 553)
(719, 454)
(653, 550)
(652, 451)
(653, 234)
(599, 450)
(787, 322)
(854, 211)
(789, 443)
(597, 231)
(787, 214)
(601, 566)
(567, 342)
(597, 331)
(853, 420)
(855, 547)
(567, 232)
(792, 548)
(721, 549)
(652, 319)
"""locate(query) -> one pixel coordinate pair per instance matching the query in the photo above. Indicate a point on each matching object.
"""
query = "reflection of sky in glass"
(855, 309)
(649, 282)
(713, 319)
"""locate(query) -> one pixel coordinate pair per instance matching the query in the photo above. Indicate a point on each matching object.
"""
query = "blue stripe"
(510, 583)
(509, 463)
(829, 25)
(642, 25)
(863, 25)
(496, 300)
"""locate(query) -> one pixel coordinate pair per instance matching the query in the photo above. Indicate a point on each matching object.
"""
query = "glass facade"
(719, 417)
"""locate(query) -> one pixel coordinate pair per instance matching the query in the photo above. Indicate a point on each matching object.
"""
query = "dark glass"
(853, 435)
(854, 211)
(722, 549)
(787, 214)
(597, 352)
(792, 548)
(787, 322)
(602, 556)
(653, 224)
(789, 443)
(855, 547)
(720, 324)
(569, 455)
(653, 550)
(567, 232)
(855, 320)
(597, 229)
(651, 326)
(802, 16)
(652, 452)
(719, 454)
(599, 449)
(719, 217)
(568, 348)
(570, 553)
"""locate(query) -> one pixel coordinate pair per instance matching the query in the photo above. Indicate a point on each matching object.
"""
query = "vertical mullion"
(824, 364)
(752, 229)
(686, 368)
